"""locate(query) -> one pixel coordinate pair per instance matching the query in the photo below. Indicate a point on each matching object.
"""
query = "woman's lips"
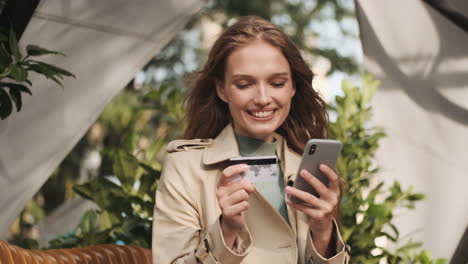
(263, 115)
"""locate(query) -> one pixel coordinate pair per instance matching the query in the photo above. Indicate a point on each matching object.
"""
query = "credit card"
(261, 169)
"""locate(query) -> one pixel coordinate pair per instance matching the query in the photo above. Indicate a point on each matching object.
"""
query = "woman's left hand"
(320, 210)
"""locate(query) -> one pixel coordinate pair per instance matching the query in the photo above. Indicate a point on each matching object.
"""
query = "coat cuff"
(213, 248)
(342, 252)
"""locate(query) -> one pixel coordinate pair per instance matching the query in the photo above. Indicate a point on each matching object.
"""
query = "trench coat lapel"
(289, 162)
(224, 147)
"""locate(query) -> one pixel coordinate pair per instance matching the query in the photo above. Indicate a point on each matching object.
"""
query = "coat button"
(207, 246)
(348, 248)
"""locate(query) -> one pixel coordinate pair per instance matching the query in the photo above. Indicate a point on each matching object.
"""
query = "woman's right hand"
(233, 198)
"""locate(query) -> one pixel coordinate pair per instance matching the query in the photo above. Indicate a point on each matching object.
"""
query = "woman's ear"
(220, 91)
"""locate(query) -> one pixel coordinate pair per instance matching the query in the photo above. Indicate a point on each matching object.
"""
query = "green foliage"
(368, 203)
(126, 199)
(125, 205)
(32, 213)
(16, 67)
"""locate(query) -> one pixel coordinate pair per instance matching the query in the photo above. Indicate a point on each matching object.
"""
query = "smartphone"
(261, 168)
(316, 152)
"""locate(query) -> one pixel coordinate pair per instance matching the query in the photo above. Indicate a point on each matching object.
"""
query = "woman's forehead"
(257, 59)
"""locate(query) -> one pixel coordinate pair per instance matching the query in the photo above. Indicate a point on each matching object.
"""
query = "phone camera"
(312, 149)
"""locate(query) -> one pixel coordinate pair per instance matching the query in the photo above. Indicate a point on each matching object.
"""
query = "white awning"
(421, 57)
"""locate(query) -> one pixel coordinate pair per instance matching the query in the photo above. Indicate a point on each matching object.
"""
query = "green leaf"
(103, 192)
(15, 95)
(66, 241)
(45, 72)
(125, 168)
(13, 41)
(5, 59)
(88, 221)
(147, 181)
(416, 197)
(50, 69)
(6, 107)
(107, 220)
(85, 190)
(33, 50)
(96, 238)
(150, 169)
(369, 86)
(18, 73)
(16, 86)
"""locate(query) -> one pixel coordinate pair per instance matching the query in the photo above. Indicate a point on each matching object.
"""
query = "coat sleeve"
(178, 234)
(342, 250)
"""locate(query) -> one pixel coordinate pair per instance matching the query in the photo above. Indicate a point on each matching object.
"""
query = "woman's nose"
(262, 96)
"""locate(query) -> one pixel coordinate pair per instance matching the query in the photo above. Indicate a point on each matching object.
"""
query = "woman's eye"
(278, 85)
(242, 85)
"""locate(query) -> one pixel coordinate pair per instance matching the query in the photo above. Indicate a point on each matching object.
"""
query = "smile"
(262, 114)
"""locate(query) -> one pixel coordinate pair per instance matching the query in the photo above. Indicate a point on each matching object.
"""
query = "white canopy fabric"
(106, 42)
(421, 57)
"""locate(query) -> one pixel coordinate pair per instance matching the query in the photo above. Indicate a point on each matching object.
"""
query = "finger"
(333, 179)
(308, 198)
(314, 213)
(234, 198)
(236, 209)
(243, 184)
(226, 190)
(314, 182)
(230, 171)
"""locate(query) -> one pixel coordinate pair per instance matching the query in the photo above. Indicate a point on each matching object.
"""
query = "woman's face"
(258, 89)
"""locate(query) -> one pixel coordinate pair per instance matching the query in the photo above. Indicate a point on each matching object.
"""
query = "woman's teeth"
(262, 114)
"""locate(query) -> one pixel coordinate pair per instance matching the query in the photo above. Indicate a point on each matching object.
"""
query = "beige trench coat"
(186, 225)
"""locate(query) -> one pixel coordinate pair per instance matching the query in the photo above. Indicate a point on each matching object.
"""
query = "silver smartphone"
(316, 152)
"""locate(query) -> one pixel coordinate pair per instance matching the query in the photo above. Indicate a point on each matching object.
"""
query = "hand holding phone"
(317, 151)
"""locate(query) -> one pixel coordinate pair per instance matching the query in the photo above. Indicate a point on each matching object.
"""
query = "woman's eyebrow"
(280, 74)
(241, 76)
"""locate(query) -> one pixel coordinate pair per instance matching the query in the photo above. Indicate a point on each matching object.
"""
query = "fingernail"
(323, 167)
(288, 189)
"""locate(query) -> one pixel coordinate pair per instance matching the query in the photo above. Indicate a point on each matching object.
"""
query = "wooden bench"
(99, 254)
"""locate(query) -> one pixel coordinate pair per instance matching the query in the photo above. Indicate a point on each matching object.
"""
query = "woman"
(254, 97)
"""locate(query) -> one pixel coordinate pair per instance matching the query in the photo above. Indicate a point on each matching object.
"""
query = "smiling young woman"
(253, 97)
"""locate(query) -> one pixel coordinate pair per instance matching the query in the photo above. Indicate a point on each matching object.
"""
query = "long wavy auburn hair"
(207, 114)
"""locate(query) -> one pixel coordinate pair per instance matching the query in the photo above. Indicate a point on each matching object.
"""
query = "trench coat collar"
(225, 147)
